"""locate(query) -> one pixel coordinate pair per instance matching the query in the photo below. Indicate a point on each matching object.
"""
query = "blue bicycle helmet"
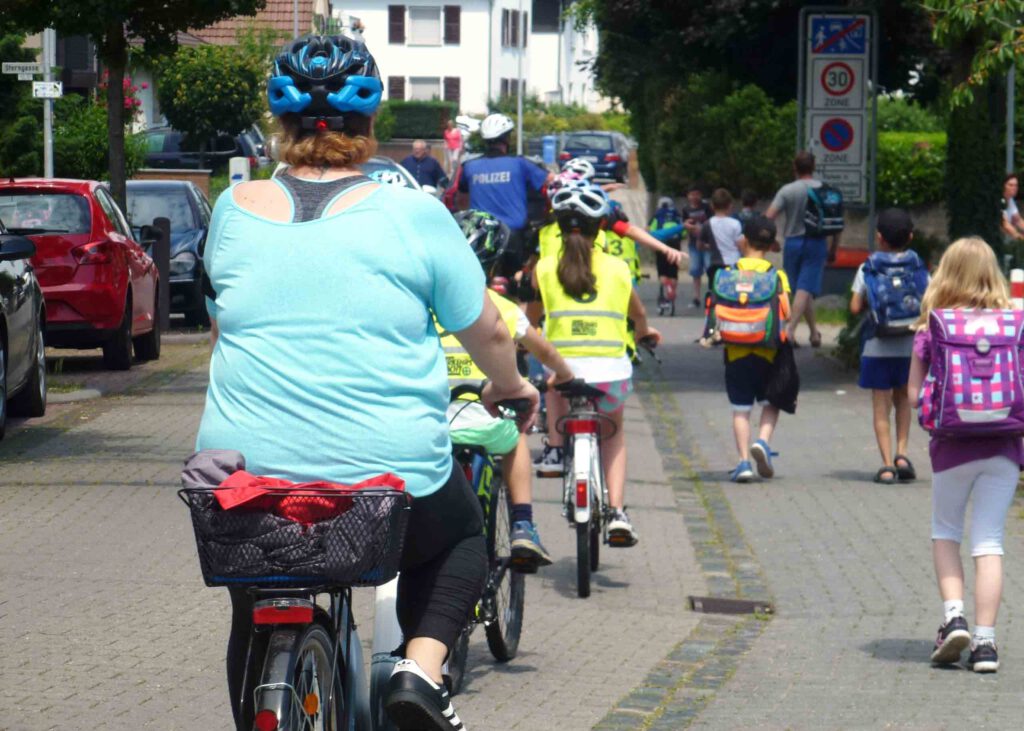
(323, 78)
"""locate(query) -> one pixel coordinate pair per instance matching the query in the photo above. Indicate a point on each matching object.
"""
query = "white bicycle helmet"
(388, 177)
(589, 201)
(495, 126)
(583, 168)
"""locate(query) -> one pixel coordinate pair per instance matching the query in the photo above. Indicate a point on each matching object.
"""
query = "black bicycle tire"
(457, 661)
(285, 648)
(503, 634)
(595, 544)
(583, 560)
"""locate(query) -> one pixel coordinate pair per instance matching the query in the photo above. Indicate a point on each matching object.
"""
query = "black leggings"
(444, 569)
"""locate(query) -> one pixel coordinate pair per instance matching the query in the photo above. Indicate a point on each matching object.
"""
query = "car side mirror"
(14, 247)
(148, 235)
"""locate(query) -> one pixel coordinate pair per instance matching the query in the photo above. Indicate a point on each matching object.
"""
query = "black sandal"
(905, 474)
(881, 479)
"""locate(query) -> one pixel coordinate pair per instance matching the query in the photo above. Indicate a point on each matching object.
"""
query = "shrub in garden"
(911, 168)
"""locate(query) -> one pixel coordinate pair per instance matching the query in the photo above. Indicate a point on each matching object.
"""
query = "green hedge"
(911, 168)
(421, 119)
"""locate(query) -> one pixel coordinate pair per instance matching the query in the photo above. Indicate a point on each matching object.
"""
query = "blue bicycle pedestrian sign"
(839, 35)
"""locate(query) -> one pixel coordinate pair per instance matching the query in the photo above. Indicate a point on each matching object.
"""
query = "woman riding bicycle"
(326, 363)
(471, 424)
(588, 296)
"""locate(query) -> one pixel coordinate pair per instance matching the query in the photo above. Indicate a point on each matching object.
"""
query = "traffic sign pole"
(49, 41)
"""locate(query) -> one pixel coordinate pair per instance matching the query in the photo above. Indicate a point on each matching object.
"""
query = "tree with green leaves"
(110, 24)
(210, 89)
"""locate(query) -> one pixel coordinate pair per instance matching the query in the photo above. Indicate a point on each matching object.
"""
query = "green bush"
(911, 168)
(421, 119)
(80, 141)
(384, 123)
(899, 114)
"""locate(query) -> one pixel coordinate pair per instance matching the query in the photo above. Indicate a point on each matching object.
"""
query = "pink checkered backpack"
(974, 386)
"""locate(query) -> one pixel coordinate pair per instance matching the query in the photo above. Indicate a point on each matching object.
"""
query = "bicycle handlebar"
(518, 405)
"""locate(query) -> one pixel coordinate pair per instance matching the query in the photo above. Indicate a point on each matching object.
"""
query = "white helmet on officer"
(496, 126)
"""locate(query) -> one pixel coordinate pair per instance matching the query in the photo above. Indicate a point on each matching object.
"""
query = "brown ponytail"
(574, 268)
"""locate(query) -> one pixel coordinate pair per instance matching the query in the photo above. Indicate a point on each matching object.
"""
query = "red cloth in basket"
(257, 493)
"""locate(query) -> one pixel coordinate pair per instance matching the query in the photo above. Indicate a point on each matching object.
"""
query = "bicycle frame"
(585, 492)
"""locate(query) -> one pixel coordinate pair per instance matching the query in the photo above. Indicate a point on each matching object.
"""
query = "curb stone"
(679, 686)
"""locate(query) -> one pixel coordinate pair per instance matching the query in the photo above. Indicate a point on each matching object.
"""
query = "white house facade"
(472, 51)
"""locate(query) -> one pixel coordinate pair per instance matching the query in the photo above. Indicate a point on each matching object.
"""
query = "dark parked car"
(168, 148)
(186, 207)
(22, 318)
(608, 151)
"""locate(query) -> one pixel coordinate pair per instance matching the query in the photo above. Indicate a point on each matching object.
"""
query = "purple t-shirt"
(950, 452)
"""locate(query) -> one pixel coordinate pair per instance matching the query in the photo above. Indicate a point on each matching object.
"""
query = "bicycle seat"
(578, 388)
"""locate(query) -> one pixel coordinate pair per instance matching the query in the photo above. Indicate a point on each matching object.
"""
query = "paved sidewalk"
(848, 563)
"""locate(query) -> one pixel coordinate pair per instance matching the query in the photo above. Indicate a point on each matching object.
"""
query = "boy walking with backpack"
(751, 304)
(889, 287)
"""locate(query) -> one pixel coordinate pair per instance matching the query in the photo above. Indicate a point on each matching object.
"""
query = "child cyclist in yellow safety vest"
(587, 296)
(470, 422)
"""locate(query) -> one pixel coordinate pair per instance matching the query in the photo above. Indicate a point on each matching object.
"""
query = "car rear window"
(56, 212)
(589, 142)
(146, 205)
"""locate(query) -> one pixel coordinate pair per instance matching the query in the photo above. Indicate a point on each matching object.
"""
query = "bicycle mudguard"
(584, 448)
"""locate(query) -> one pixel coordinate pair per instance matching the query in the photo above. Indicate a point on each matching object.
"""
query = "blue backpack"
(895, 285)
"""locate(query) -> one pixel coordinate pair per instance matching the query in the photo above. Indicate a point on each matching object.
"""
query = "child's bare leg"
(901, 400)
(949, 569)
(881, 404)
(613, 454)
(769, 419)
(741, 430)
(988, 589)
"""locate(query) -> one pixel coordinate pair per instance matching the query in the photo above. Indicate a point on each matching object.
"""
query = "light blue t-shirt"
(328, 365)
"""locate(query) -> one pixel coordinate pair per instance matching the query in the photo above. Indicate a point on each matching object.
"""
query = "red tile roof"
(278, 14)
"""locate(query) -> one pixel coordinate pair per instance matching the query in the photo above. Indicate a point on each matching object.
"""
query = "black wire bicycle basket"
(300, 537)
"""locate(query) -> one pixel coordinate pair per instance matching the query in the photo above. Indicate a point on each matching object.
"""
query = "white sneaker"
(621, 533)
(550, 462)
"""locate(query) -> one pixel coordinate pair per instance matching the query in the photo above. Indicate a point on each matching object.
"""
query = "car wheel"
(117, 352)
(31, 400)
(3, 388)
(147, 347)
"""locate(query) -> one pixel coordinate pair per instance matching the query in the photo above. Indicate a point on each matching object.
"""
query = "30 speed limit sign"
(837, 84)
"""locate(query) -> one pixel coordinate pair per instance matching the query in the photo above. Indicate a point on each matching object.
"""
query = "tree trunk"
(115, 56)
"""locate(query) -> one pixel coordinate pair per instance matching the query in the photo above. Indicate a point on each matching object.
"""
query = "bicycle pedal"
(524, 566)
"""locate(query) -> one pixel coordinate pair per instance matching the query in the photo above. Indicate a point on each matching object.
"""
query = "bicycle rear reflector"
(311, 704)
(582, 493)
(581, 426)
(287, 610)
(266, 720)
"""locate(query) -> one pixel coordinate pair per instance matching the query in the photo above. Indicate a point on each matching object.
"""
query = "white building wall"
(545, 76)
(505, 61)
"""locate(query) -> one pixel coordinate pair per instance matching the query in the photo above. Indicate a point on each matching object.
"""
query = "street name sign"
(18, 67)
(47, 89)
(837, 52)
(25, 77)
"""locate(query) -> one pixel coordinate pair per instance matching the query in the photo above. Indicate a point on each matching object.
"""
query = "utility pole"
(49, 47)
(295, 18)
(519, 83)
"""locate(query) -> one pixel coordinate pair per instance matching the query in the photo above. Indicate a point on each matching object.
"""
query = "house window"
(514, 34)
(546, 15)
(424, 88)
(396, 24)
(396, 88)
(504, 87)
(452, 25)
(424, 26)
(452, 89)
(506, 30)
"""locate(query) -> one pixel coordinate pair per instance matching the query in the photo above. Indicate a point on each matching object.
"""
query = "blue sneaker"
(528, 553)
(762, 455)
(743, 472)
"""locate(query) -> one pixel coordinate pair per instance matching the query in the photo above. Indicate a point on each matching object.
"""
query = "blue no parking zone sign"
(836, 134)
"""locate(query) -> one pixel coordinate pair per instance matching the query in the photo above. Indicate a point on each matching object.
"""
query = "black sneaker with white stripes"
(417, 703)
(953, 637)
(984, 657)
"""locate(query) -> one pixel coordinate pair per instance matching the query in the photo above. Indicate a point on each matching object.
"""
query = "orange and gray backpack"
(746, 307)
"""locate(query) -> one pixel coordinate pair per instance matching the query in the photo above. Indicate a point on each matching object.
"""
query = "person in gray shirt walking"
(803, 257)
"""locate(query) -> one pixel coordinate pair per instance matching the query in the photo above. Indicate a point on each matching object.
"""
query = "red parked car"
(99, 284)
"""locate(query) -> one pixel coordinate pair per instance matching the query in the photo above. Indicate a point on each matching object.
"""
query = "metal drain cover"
(725, 605)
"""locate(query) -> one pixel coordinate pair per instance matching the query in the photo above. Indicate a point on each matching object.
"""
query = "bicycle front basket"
(360, 544)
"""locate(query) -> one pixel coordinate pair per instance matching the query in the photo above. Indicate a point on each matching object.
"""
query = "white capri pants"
(992, 482)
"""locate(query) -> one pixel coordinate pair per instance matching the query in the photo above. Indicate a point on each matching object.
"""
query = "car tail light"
(581, 426)
(565, 156)
(582, 493)
(282, 611)
(612, 157)
(266, 720)
(98, 252)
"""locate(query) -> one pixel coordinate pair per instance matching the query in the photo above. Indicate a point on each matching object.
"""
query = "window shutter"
(396, 88)
(526, 28)
(452, 89)
(396, 24)
(515, 29)
(504, 87)
(504, 28)
(452, 25)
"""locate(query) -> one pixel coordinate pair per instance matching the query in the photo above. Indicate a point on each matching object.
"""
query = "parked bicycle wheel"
(297, 681)
(509, 594)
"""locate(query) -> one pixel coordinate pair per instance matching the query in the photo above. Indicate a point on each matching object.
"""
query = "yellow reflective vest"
(549, 241)
(461, 368)
(624, 248)
(592, 328)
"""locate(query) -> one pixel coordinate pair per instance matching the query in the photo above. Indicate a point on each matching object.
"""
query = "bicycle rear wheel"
(299, 685)
(583, 560)
(509, 587)
(595, 543)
